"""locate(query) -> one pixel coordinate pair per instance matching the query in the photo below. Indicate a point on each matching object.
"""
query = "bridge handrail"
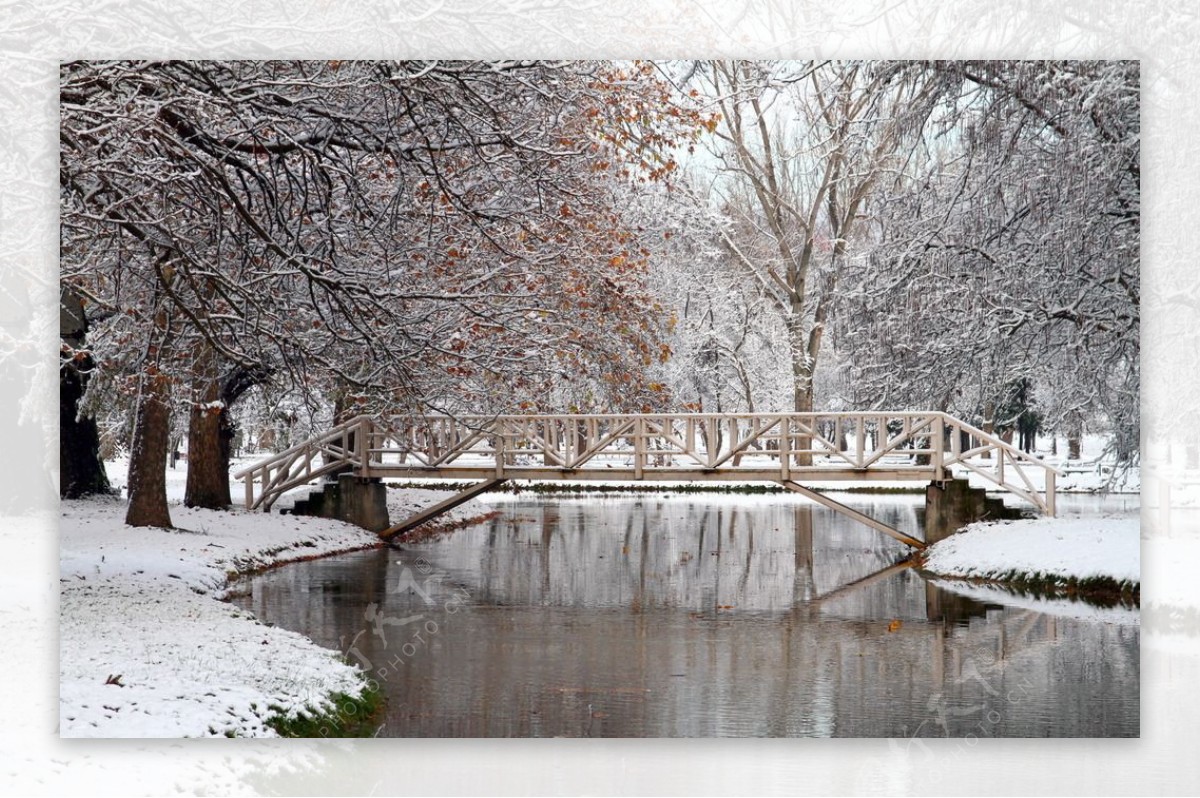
(1000, 443)
(332, 432)
(1045, 502)
(293, 466)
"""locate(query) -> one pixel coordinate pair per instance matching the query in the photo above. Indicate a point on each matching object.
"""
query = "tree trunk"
(802, 378)
(81, 470)
(988, 425)
(208, 461)
(207, 472)
(804, 404)
(211, 432)
(148, 461)
(1074, 447)
(228, 435)
(1074, 436)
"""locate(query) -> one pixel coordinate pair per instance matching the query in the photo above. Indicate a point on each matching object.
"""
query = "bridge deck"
(653, 474)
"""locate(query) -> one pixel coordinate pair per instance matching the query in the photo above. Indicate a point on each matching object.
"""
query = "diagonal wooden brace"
(430, 513)
(849, 512)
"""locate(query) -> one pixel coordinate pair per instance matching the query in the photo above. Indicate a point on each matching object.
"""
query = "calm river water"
(681, 616)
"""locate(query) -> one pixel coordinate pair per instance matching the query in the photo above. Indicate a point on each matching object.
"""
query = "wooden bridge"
(785, 448)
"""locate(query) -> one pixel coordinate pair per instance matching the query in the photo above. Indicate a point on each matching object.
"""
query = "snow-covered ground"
(1079, 548)
(147, 649)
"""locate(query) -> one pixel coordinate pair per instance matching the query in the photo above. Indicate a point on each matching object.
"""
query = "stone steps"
(351, 499)
(953, 504)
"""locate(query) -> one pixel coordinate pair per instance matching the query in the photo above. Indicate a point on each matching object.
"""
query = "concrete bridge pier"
(952, 504)
(355, 500)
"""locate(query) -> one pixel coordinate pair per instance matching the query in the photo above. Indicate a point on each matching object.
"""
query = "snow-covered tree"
(1008, 250)
(803, 146)
(384, 235)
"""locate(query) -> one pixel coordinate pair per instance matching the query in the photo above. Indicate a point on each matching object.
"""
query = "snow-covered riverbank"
(146, 647)
(1044, 549)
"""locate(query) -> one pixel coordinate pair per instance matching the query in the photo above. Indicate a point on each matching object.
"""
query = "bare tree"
(806, 143)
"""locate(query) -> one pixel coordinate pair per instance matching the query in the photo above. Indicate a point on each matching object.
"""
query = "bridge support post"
(639, 448)
(953, 503)
(363, 502)
(355, 500)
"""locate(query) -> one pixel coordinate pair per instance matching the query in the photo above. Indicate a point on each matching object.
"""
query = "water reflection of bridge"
(757, 556)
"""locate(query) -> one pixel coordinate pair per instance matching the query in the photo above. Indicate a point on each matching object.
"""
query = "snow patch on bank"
(147, 649)
(1078, 548)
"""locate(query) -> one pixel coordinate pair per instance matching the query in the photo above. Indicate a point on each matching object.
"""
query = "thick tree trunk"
(81, 470)
(211, 432)
(208, 455)
(227, 434)
(148, 463)
(802, 380)
(207, 471)
(211, 435)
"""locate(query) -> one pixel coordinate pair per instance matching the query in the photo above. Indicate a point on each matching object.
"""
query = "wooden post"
(249, 480)
(734, 433)
(500, 449)
(939, 449)
(860, 440)
(639, 447)
(1051, 490)
(785, 447)
(362, 445)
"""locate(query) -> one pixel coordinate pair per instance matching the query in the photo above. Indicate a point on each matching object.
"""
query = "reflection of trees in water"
(666, 552)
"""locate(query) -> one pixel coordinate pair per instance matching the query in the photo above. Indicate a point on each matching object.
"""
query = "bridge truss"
(785, 448)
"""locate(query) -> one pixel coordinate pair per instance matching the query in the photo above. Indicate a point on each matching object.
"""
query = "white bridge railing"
(666, 447)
